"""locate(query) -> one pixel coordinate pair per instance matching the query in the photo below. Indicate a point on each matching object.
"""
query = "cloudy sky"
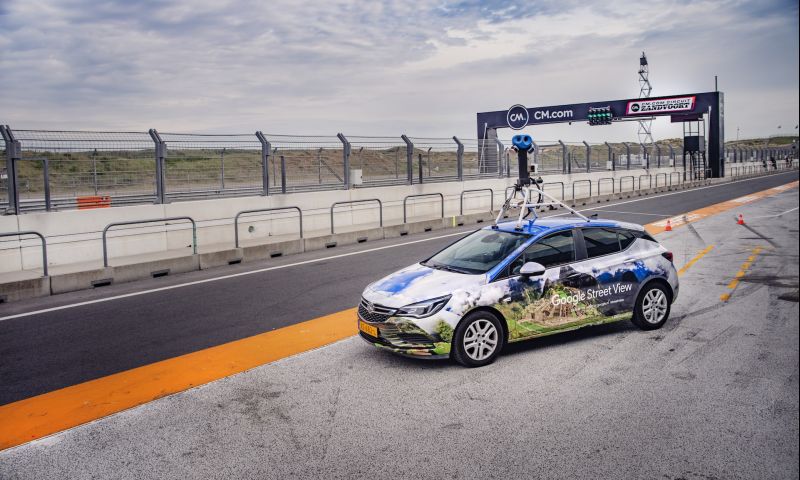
(383, 68)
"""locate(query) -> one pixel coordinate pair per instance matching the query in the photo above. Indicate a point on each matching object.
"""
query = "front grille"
(371, 312)
(415, 338)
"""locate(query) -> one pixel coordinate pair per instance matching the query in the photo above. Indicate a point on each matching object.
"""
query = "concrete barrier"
(81, 280)
(343, 238)
(155, 268)
(266, 251)
(219, 258)
(24, 288)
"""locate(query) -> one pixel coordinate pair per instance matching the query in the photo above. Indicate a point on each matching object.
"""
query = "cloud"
(424, 68)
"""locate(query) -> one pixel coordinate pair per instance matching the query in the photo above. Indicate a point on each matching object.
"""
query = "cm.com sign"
(518, 116)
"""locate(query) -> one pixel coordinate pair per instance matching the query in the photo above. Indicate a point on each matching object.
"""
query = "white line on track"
(778, 215)
(306, 262)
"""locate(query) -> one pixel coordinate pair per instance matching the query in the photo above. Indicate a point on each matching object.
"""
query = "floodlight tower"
(645, 131)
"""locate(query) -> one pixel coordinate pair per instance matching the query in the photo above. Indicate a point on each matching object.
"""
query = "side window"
(600, 241)
(549, 251)
(625, 239)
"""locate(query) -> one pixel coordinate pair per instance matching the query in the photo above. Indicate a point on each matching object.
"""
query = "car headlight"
(424, 309)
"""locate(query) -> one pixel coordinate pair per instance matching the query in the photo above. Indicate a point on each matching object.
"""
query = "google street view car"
(520, 280)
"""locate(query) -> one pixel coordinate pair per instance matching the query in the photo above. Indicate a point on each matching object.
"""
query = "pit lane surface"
(714, 394)
(47, 351)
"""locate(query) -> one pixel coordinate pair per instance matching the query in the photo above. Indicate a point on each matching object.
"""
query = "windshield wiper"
(453, 269)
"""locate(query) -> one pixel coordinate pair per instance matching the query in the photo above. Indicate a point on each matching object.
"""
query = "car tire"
(652, 307)
(478, 339)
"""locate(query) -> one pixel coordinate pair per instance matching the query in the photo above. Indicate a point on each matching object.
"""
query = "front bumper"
(404, 338)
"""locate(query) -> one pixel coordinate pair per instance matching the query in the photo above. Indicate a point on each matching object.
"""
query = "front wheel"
(478, 339)
(652, 307)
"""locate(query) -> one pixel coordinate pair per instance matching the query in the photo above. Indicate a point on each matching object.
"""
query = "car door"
(528, 308)
(609, 282)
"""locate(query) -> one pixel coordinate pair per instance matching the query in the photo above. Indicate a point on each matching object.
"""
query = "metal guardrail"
(633, 183)
(41, 237)
(671, 174)
(405, 201)
(263, 210)
(351, 202)
(665, 178)
(138, 222)
(581, 181)
(600, 180)
(544, 185)
(491, 198)
(649, 178)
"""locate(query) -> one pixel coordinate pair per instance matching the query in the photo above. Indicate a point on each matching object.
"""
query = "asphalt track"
(47, 351)
(712, 395)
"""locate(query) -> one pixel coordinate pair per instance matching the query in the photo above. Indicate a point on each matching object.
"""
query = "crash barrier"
(680, 177)
(353, 202)
(476, 190)
(649, 178)
(138, 222)
(41, 237)
(581, 181)
(665, 178)
(264, 210)
(633, 182)
(419, 195)
(599, 182)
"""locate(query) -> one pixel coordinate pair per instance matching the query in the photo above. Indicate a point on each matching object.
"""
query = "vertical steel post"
(646, 157)
(658, 155)
(565, 167)
(419, 164)
(266, 148)
(345, 158)
(627, 154)
(46, 173)
(13, 155)
(160, 155)
(500, 149)
(94, 170)
(283, 174)
(588, 156)
(611, 157)
(459, 158)
(409, 159)
(222, 169)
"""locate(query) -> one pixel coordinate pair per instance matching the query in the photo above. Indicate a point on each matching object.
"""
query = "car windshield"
(477, 253)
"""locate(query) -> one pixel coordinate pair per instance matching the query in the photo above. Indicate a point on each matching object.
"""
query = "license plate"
(368, 329)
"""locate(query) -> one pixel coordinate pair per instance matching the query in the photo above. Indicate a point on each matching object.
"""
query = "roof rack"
(527, 208)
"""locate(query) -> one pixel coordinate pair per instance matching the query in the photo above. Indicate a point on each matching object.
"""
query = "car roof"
(543, 225)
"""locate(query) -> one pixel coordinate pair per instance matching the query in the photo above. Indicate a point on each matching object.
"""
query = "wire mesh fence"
(382, 160)
(309, 162)
(80, 164)
(64, 169)
(435, 159)
(211, 164)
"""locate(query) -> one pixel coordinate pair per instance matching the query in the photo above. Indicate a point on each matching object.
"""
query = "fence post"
(13, 154)
(588, 156)
(565, 167)
(266, 148)
(627, 154)
(459, 158)
(658, 155)
(644, 154)
(346, 159)
(500, 150)
(672, 155)
(409, 158)
(160, 154)
(283, 174)
(610, 158)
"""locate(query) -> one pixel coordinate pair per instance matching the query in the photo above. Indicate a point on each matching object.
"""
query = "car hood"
(416, 283)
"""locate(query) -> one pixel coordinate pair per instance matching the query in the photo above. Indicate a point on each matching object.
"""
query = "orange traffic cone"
(741, 220)
(668, 228)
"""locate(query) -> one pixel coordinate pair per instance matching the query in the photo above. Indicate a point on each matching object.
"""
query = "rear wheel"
(478, 339)
(652, 307)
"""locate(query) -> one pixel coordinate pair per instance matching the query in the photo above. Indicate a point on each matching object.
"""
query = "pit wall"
(74, 236)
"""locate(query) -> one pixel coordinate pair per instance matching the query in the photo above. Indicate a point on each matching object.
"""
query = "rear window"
(600, 241)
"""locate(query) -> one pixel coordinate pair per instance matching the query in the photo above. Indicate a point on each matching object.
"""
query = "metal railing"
(154, 220)
(263, 210)
(354, 202)
(420, 195)
(581, 181)
(475, 190)
(55, 169)
(633, 183)
(41, 237)
(649, 179)
(600, 180)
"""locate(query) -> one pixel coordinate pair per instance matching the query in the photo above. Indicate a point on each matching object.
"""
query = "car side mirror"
(532, 269)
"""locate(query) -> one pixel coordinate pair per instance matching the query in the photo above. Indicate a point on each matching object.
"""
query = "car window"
(625, 239)
(600, 241)
(549, 251)
(477, 253)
